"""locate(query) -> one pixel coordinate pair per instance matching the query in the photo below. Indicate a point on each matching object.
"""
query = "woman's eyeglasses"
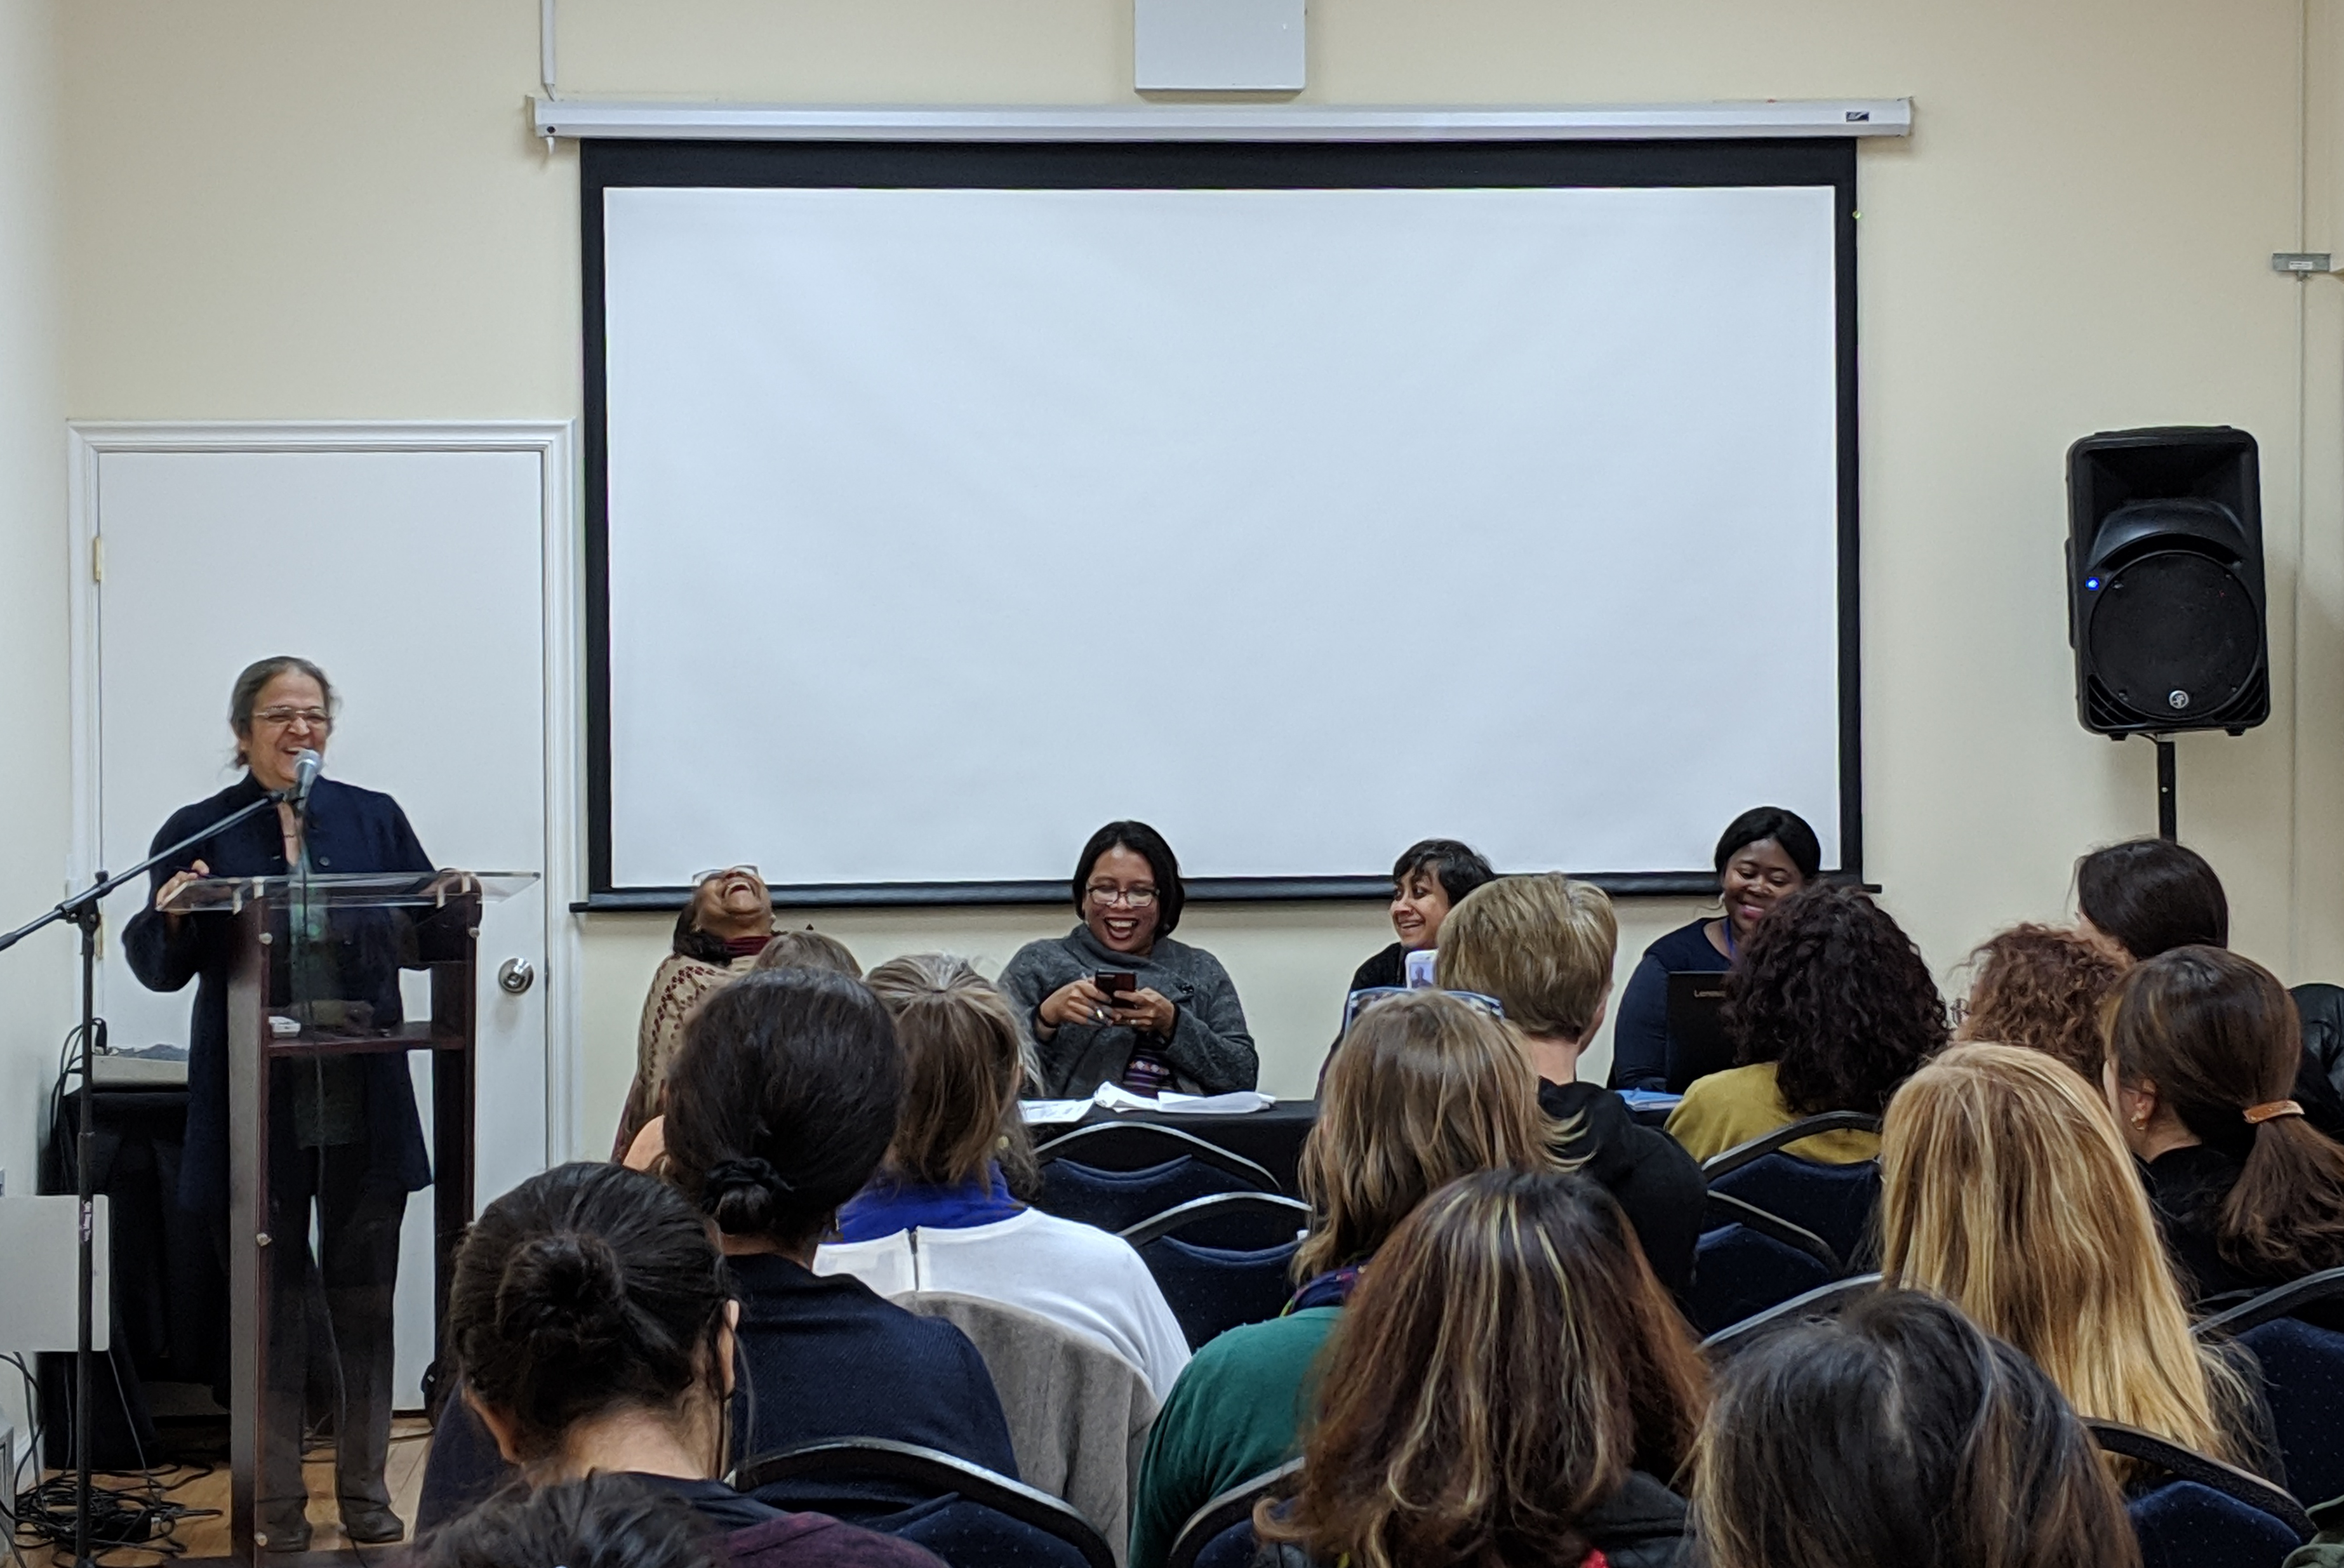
(316, 718)
(1129, 897)
(703, 878)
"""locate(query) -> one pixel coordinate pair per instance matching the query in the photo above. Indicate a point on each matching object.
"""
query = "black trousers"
(329, 1326)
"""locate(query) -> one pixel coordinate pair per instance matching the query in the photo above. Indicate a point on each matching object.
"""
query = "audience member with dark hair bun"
(2042, 987)
(2146, 895)
(2203, 1052)
(2005, 1189)
(1180, 1026)
(1510, 1385)
(781, 1105)
(1431, 878)
(1831, 1008)
(1765, 855)
(1899, 1433)
(940, 1216)
(719, 933)
(1428, 1087)
(593, 1322)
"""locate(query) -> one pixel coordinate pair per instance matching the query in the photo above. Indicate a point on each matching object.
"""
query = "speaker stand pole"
(2168, 823)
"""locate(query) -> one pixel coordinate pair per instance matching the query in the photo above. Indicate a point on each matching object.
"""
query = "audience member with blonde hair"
(2007, 1191)
(2042, 987)
(1510, 1386)
(2203, 1053)
(1830, 1007)
(1428, 1087)
(1543, 947)
(1899, 1435)
(939, 1215)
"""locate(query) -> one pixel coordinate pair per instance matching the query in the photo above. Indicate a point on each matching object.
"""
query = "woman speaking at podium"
(343, 1130)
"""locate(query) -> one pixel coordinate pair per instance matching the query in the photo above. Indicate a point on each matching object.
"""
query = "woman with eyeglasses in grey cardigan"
(1176, 1024)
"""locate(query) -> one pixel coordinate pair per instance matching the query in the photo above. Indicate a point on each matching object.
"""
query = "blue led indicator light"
(2092, 582)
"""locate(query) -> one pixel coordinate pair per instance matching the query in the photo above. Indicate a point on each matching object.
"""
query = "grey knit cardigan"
(1209, 1051)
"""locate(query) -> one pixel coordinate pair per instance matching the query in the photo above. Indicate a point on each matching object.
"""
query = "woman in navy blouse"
(1764, 854)
(343, 1131)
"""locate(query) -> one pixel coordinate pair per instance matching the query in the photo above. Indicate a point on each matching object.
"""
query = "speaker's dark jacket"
(349, 830)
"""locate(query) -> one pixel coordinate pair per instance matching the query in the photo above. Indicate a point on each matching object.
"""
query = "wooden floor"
(206, 1541)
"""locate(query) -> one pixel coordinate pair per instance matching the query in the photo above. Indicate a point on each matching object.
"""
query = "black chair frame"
(2279, 1301)
(1101, 1146)
(1782, 1138)
(1822, 1302)
(941, 1473)
(1268, 1205)
(2189, 1465)
(1723, 1208)
(1231, 1507)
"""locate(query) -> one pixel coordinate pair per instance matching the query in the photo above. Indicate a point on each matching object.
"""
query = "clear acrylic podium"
(324, 1136)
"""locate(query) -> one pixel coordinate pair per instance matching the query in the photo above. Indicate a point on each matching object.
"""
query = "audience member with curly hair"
(602, 1521)
(2203, 1053)
(1510, 1386)
(1899, 1433)
(1831, 1008)
(2042, 987)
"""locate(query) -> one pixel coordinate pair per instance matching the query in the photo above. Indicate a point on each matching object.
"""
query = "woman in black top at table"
(1764, 854)
(1430, 878)
(343, 1130)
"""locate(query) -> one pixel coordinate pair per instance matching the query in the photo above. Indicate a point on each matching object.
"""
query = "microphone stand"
(81, 911)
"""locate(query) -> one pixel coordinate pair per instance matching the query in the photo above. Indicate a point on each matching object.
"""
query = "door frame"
(553, 443)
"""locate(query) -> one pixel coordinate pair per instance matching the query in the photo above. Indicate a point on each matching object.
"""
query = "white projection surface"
(947, 524)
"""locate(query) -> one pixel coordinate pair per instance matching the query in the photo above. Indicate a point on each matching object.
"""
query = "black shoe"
(372, 1525)
(284, 1532)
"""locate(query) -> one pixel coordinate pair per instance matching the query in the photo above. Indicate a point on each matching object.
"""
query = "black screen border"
(604, 165)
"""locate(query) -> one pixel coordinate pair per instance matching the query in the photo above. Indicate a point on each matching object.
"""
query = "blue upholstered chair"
(1748, 1260)
(2199, 1512)
(1116, 1176)
(2303, 1374)
(973, 1518)
(1835, 1201)
(1220, 1533)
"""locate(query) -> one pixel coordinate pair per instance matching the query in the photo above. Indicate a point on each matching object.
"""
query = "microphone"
(305, 768)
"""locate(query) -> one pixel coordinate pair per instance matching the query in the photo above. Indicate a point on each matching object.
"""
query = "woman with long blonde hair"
(1428, 1087)
(1512, 1387)
(2007, 1191)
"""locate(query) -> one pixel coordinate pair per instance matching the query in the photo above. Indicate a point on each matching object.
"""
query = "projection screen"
(949, 502)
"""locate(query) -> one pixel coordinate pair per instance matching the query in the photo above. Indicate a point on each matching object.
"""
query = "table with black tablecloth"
(1270, 1138)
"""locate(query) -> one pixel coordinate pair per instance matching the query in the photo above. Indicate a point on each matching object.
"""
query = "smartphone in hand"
(1115, 982)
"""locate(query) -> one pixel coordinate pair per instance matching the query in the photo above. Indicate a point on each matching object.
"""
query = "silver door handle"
(515, 976)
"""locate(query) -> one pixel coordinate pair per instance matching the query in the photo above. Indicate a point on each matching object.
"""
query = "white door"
(416, 578)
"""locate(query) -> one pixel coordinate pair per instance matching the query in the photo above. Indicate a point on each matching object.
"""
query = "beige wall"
(37, 997)
(286, 210)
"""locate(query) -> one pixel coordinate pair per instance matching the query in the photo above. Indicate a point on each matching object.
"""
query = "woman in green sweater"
(1427, 1088)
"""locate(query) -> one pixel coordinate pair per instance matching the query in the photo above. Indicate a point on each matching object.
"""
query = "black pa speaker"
(2165, 582)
